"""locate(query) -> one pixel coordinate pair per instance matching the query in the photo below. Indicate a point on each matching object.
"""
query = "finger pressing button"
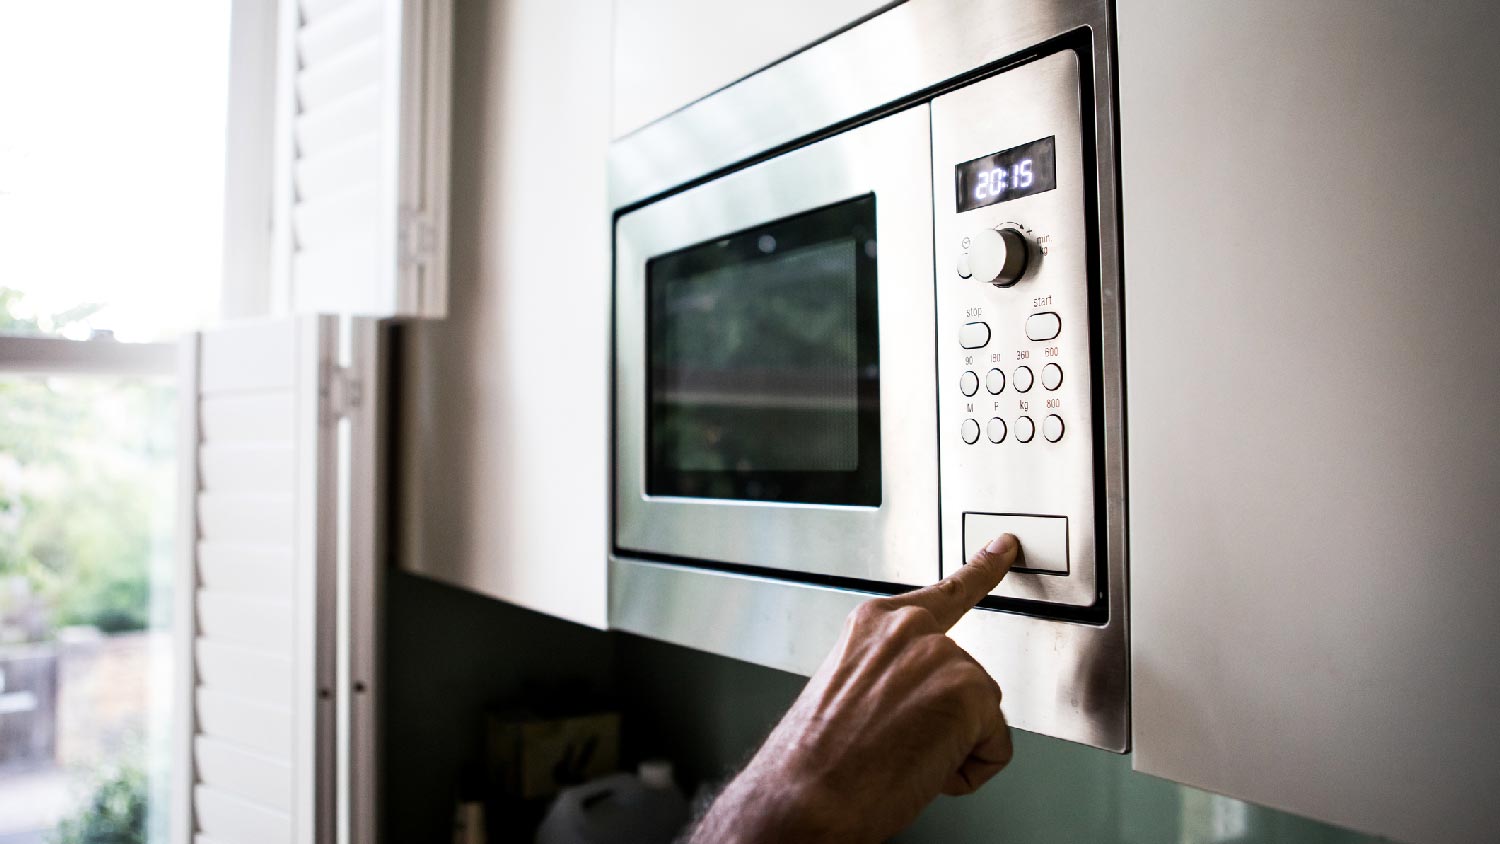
(1044, 539)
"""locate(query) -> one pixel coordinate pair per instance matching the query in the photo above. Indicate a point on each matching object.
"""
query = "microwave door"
(763, 363)
(774, 365)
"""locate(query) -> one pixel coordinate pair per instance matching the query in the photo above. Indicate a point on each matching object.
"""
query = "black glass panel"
(764, 378)
(1009, 174)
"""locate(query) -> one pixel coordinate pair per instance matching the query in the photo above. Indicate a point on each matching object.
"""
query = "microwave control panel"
(1015, 375)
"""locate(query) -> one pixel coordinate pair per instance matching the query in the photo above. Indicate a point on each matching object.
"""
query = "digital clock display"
(1009, 174)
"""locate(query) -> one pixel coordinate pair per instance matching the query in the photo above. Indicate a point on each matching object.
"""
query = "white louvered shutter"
(363, 133)
(265, 669)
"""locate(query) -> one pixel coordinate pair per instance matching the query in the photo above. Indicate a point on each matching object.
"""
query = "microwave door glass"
(764, 365)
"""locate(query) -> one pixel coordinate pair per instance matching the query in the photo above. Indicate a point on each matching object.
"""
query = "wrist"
(768, 804)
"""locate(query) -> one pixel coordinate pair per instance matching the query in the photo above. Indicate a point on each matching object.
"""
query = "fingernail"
(1000, 544)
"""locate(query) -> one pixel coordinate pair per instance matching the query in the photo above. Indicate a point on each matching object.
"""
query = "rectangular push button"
(1044, 539)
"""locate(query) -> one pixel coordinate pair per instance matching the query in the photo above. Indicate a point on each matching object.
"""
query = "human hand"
(897, 714)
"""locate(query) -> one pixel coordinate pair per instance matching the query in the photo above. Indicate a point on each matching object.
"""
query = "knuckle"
(977, 697)
(986, 685)
(978, 676)
(866, 614)
(951, 588)
(911, 621)
(929, 650)
(947, 655)
(996, 693)
(975, 691)
(961, 785)
(1006, 750)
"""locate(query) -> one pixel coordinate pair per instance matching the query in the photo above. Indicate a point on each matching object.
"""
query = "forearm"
(764, 805)
(753, 810)
(897, 714)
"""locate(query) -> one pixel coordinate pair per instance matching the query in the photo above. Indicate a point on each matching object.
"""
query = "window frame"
(251, 154)
(28, 355)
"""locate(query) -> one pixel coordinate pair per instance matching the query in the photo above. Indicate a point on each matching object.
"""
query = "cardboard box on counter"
(531, 756)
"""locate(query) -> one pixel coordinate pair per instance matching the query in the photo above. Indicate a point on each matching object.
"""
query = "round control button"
(1022, 379)
(1051, 376)
(996, 256)
(964, 270)
(970, 431)
(995, 381)
(996, 430)
(969, 383)
(1052, 428)
(1025, 429)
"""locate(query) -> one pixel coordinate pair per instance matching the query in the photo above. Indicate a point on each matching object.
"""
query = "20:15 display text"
(1009, 174)
(994, 183)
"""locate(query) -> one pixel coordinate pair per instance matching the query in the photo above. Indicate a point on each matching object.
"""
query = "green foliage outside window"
(115, 813)
(85, 464)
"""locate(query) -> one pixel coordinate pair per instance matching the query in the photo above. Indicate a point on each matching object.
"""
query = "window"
(111, 192)
(86, 483)
(111, 163)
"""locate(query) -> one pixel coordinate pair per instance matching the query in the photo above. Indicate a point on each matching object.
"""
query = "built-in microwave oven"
(843, 363)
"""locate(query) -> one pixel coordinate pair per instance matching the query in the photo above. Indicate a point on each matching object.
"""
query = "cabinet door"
(503, 410)
(668, 53)
(276, 532)
(1313, 387)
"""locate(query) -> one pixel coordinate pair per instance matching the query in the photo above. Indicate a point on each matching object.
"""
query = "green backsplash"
(451, 652)
(708, 713)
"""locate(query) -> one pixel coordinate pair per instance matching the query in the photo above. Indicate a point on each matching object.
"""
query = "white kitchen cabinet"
(1310, 208)
(504, 410)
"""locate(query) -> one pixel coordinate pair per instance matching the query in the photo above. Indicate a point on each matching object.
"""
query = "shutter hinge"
(418, 238)
(345, 391)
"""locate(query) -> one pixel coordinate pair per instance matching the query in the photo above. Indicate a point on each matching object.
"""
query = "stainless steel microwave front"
(867, 315)
(1016, 375)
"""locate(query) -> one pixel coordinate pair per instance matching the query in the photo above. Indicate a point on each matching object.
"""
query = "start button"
(1044, 539)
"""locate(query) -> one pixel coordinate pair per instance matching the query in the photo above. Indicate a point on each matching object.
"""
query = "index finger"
(956, 594)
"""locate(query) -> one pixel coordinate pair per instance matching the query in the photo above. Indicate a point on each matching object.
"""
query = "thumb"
(989, 756)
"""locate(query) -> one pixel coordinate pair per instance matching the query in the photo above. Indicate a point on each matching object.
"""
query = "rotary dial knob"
(995, 256)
